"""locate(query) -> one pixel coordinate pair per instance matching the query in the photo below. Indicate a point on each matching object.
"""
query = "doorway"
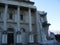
(10, 38)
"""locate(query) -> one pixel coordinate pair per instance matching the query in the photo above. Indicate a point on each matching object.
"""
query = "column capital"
(4, 32)
(29, 7)
(18, 32)
(30, 33)
(18, 6)
(6, 5)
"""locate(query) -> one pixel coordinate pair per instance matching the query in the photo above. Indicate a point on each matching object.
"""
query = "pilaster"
(39, 38)
(18, 33)
(5, 16)
(31, 38)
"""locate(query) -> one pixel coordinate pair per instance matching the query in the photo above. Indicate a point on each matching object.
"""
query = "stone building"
(21, 23)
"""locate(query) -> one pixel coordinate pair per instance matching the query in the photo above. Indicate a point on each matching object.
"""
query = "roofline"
(29, 2)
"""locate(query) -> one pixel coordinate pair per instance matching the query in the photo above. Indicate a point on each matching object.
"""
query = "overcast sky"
(52, 7)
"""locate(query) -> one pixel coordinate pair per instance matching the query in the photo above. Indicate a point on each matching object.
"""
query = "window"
(21, 17)
(0, 14)
(10, 16)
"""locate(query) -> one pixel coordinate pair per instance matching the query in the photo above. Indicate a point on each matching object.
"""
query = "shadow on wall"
(57, 37)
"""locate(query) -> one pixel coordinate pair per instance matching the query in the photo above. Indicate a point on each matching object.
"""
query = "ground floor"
(12, 36)
(17, 38)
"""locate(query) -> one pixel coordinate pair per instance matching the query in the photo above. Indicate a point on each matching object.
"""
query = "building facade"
(21, 23)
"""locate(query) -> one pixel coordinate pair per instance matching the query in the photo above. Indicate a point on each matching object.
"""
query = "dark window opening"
(21, 17)
(0, 14)
(10, 38)
(10, 16)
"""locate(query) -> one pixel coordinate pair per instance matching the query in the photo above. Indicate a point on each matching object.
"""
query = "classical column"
(19, 37)
(4, 36)
(5, 16)
(18, 18)
(31, 39)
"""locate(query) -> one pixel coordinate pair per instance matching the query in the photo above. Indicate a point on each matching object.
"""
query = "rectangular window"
(21, 17)
(10, 16)
(0, 14)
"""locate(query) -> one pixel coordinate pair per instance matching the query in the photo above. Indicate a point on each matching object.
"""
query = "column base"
(18, 44)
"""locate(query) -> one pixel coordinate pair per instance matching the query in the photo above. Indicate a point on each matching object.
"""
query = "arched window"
(22, 30)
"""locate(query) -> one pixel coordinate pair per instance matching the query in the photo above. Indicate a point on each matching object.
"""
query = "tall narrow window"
(10, 16)
(0, 14)
(21, 17)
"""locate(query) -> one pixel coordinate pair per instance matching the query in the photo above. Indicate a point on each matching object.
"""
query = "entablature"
(17, 3)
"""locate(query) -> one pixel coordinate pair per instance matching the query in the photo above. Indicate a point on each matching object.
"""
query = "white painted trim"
(31, 39)
(4, 38)
(19, 38)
